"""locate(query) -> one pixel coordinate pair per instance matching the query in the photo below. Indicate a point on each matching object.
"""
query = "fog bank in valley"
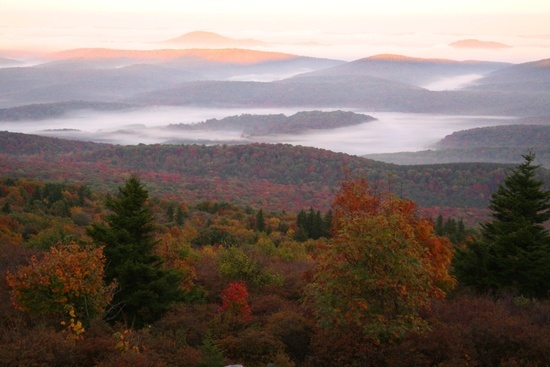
(391, 132)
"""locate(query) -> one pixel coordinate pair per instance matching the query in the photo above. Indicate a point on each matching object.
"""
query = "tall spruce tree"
(145, 289)
(512, 253)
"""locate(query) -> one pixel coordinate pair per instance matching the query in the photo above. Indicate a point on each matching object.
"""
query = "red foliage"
(235, 302)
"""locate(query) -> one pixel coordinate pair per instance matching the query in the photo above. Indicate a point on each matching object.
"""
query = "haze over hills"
(211, 39)
(102, 79)
(257, 125)
(415, 71)
(6, 62)
(112, 75)
(497, 144)
(474, 43)
(193, 82)
(527, 77)
(225, 55)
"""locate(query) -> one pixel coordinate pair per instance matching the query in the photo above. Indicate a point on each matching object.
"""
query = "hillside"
(415, 71)
(275, 177)
(254, 125)
(497, 144)
(6, 62)
(364, 92)
(247, 78)
(531, 77)
(211, 39)
(42, 111)
(110, 75)
(474, 43)
(529, 136)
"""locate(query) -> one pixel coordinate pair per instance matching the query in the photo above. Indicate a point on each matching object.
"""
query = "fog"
(452, 83)
(392, 132)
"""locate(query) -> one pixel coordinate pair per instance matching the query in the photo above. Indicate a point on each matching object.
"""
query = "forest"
(130, 274)
(227, 250)
(280, 124)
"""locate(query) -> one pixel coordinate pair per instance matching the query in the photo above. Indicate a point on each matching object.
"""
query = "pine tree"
(513, 251)
(260, 221)
(146, 290)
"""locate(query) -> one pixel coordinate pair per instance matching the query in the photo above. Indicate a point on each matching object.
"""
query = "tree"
(146, 289)
(67, 277)
(381, 266)
(512, 252)
(260, 221)
(235, 308)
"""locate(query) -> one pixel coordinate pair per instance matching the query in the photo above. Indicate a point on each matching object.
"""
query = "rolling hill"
(275, 177)
(256, 125)
(415, 71)
(497, 144)
(6, 62)
(531, 77)
(110, 75)
(474, 43)
(211, 39)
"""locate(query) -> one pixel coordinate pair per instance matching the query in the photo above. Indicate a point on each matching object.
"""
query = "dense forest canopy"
(279, 177)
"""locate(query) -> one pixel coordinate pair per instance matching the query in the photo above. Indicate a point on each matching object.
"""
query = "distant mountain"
(528, 136)
(42, 111)
(110, 75)
(474, 43)
(226, 56)
(414, 71)
(5, 62)
(532, 77)
(211, 39)
(495, 144)
(372, 93)
(60, 82)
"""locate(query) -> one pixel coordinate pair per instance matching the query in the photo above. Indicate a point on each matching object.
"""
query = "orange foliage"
(177, 254)
(67, 275)
(382, 265)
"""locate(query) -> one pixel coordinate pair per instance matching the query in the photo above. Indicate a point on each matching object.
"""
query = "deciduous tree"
(67, 277)
(382, 265)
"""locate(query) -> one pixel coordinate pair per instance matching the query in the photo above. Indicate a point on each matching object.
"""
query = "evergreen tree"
(179, 216)
(146, 290)
(170, 213)
(513, 252)
(260, 221)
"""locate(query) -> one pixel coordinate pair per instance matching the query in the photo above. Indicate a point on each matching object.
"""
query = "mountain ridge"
(212, 39)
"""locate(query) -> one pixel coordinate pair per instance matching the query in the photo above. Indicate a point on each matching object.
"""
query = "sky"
(346, 28)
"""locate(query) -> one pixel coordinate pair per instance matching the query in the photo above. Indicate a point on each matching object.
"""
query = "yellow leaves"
(73, 329)
(66, 275)
(383, 264)
(127, 342)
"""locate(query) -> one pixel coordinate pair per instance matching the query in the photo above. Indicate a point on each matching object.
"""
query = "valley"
(324, 185)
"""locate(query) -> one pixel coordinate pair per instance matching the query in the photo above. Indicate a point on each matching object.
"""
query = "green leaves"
(513, 251)
(146, 288)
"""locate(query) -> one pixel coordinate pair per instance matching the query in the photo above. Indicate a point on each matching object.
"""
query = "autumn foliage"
(235, 306)
(382, 265)
(66, 276)
(378, 291)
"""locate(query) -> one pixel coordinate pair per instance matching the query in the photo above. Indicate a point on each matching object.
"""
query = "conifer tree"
(512, 253)
(146, 290)
(260, 221)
